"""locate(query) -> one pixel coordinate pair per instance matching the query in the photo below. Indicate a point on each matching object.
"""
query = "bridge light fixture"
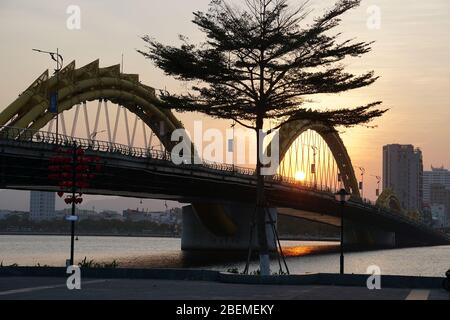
(53, 108)
(342, 196)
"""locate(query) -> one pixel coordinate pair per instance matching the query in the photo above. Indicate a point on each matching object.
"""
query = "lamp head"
(342, 196)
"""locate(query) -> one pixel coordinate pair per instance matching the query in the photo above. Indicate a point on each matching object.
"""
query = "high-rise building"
(439, 215)
(42, 205)
(440, 196)
(439, 176)
(403, 173)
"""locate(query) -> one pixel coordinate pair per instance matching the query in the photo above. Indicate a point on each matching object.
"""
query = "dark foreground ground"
(12, 288)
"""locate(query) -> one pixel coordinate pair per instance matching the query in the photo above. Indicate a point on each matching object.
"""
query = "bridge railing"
(19, 134)
(27, 135)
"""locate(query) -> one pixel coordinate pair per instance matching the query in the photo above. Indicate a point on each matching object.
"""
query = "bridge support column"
(196, 236)
(359, 236)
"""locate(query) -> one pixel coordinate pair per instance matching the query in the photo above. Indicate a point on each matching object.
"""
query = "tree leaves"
(259, 61)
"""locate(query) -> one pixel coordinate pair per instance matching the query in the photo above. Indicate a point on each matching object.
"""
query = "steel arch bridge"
(75, 87)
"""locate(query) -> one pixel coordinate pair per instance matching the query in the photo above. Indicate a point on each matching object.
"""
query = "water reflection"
(302, 257)
(207, 258)
(298, 251)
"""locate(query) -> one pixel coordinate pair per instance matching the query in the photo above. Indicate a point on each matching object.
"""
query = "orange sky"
(411, 54)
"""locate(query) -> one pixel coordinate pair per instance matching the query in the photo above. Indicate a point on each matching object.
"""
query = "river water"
(302, 257)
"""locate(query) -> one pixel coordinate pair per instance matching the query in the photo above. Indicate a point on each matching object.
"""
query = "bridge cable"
(108, 125)
(75, 119)
(97, 117)
(116, 123)
(86, 120)
(63, 123)
(133, 135)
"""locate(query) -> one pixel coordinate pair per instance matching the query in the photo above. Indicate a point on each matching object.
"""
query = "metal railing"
(26, 135)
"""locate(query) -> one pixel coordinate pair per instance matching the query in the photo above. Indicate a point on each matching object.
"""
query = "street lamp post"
(54, 96)
(377, 191)
(72, 222)
(94, 134)
(313, 166)
(342, 196)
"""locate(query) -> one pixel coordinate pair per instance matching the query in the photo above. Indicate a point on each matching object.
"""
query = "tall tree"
(261, 61)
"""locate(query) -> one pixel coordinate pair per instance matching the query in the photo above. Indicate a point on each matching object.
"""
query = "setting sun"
(300, 176)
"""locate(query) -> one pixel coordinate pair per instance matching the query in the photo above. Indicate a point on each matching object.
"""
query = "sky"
(411, 54)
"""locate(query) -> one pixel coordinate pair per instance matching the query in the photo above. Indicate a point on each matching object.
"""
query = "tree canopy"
(264, 61)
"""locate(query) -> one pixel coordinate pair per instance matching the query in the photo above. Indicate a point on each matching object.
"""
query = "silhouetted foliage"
(260, 62)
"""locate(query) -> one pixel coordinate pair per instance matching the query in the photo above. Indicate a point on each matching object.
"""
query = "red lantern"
(62, 167)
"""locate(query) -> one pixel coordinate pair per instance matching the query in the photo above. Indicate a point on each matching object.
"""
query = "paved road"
(55, 288)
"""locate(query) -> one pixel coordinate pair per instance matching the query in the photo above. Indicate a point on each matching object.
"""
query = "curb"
(330, 279)
(324, 279)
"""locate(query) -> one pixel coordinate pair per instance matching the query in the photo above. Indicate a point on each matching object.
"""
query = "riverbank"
(140, 235)
(86, 234)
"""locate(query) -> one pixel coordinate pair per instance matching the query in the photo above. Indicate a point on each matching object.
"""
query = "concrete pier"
(196, 236)
(357, 235)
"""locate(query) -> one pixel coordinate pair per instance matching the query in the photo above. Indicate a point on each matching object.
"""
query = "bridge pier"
(359, 236)
(196, 236)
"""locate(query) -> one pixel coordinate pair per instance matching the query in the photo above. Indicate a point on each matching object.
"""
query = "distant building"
(440, 196)
(4, 214)
(427, 216)
(435, 176)
(82, 214)
(135, 215)
(403, 173)
(172, 216)
(439, 215)
(42, 205)
(110, 215)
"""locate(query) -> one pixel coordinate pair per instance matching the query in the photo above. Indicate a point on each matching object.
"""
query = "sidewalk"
(13, 288)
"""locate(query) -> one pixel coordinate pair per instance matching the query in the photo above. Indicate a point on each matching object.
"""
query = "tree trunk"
(264, 260)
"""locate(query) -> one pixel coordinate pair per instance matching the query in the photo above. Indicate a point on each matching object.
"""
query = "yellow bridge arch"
(90, 82)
